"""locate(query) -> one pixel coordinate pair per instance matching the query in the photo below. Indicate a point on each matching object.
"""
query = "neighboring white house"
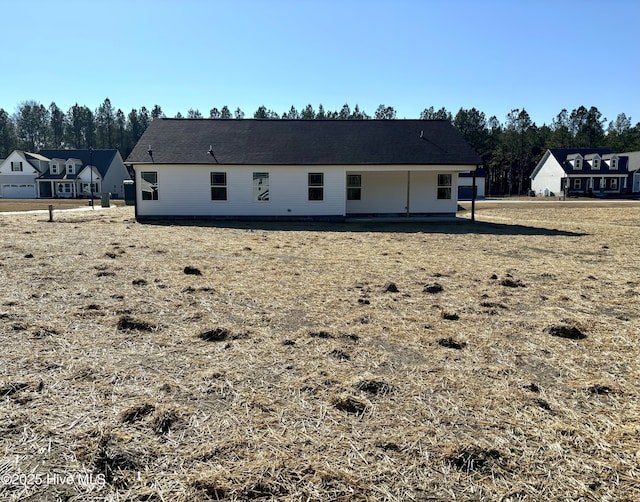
(581, 171)
(634, 171)
(298, 169)
(78, 173)
(62, 173)
(18, 173)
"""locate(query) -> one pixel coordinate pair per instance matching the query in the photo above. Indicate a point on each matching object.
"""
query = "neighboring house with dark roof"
(581, 171)
(78, 173)
(18, 173)
(298, 169)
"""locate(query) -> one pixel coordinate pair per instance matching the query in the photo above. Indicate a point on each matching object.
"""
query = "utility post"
(91, 174)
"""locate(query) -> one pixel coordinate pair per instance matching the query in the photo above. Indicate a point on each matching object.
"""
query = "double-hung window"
(149, 182)
(316, 186)
(218, 186)
(16, 166)
(354, 187)
(444, 186)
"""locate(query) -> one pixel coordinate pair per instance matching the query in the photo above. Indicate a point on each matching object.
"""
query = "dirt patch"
(350, 404)
(375, 387)
(136, 412)
(127, 323)
(164, 420)
(189, 270)
(215, 335)
(473, 458)
(450, 343)
(433, 288)
(572, 332)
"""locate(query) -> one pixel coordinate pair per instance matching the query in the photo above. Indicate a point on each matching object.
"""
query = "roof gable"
(101, 159)
(302, 142)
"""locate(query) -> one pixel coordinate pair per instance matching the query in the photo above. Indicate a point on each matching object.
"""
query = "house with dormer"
(581, 171)
(62, 173)
(18, 173)
(80, 173)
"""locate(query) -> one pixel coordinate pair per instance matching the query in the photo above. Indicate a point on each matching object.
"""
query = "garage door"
(18, 191)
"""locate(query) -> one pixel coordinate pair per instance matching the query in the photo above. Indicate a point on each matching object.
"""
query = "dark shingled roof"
(101, 159)
(563, 155)
(303, 142)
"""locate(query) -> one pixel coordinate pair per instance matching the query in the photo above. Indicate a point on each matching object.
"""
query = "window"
(614, 163)
(149, 183)
(577, 163)
(54, 168)
(89, 187)
(260, 187)
(354, 186)
(614, 183)
(596, 163)
(16, 166)
(218, 186)
(577, 183)
(316, 186)
(70, 169)
(444, 186)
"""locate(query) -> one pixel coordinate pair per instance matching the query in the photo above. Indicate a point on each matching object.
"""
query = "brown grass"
(13, 205)
(269, 375)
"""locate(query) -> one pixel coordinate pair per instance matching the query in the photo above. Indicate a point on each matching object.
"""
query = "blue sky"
(494, 55)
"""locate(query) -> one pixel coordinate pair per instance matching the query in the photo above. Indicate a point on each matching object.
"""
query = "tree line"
(509, 149)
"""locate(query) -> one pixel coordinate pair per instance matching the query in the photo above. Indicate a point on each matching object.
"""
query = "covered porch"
(420, 191)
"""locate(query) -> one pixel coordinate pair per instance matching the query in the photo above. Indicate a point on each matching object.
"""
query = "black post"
(473, 196)
(91, 171)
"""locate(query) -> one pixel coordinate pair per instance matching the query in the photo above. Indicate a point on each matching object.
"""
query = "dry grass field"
(372, 361)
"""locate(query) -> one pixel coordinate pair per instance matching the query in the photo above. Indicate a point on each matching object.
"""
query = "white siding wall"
(386, 193)
(25, 177)
(480, 184)
(114, 179)
(424, 194)
(186, 191)
(549, 177)
(382, 192)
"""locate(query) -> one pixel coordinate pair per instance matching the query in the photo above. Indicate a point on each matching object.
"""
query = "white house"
(581, 171)
(18, 173)
(79, 173)
(634, 171)
(62, 173)
(298, 169)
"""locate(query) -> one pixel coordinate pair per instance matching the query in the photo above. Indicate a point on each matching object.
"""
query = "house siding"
(548, 178)
(113, 181)
(186, 191)
(386, 193)
(25, 177)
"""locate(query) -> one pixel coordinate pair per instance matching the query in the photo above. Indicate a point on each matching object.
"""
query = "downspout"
(473, 196)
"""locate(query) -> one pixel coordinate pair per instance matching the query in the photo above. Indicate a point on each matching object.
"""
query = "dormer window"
(613, 163)
(71, 169)
(577, 163)
(55, 169)
(596, 163)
